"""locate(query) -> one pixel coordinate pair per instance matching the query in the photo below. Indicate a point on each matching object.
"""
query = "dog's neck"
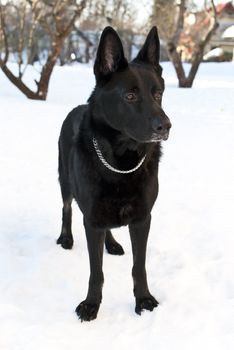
(119, 143)
(118, 150)
(109, 166)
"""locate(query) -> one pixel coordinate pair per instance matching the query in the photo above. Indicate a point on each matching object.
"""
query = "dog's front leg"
(87, 310)
(139, 236)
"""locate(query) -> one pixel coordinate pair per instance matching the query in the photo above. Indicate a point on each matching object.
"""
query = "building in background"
(221, 45)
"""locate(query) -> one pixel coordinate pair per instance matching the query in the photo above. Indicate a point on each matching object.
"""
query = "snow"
(229, 32)
(190, 251)
(217, 52)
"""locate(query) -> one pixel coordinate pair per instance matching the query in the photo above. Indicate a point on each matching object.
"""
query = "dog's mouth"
(154, 138)
(158, 137)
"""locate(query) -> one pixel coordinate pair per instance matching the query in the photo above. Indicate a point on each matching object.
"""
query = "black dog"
(109, 151)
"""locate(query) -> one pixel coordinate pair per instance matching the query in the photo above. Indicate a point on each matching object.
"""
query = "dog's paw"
(114, 248)
(65, 241)
(145, 303)
(86, 311)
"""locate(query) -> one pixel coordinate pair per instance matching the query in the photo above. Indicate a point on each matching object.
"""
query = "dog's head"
(128, 95)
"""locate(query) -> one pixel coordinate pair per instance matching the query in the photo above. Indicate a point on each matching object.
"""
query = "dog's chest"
(116, 206)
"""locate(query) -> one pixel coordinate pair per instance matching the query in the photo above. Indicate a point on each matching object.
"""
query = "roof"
(228, 7)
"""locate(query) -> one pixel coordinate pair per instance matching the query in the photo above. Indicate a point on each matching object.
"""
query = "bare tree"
(169, 16)
(120, 14)
(55, 19)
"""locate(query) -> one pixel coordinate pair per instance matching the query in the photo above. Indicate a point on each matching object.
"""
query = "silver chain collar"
(108, 166)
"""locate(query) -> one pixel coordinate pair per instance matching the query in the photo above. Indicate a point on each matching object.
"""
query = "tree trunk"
(187, 81)
(172, 43)
(43, 84)
(19, 84)
(56, 37)
(178, 65)
(184, 82)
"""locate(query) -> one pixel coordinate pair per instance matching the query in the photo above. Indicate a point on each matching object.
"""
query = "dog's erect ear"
(110, 55)
(150, 51)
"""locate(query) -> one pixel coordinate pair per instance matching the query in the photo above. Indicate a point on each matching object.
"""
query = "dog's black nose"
(161, 127)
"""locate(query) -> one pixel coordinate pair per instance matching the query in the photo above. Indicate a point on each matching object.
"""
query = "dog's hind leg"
(65, 238)
(112, 246)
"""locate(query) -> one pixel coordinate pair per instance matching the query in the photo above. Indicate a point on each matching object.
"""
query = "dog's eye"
(157, 96)
(131, 97)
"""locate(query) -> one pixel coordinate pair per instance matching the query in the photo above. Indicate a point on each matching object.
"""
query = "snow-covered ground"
(190, 252)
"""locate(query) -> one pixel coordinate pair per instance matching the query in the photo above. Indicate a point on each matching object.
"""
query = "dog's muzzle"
(157, 138)
(160, 131)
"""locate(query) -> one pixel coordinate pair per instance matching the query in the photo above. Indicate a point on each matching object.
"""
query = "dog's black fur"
(125, 116)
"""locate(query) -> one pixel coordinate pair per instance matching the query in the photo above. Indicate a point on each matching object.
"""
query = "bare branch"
(77, 13)
(180, 23)
(198, 55)
(36, 15)
(214, 11)
(53, 20)
(4, 36)
(21, 15)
